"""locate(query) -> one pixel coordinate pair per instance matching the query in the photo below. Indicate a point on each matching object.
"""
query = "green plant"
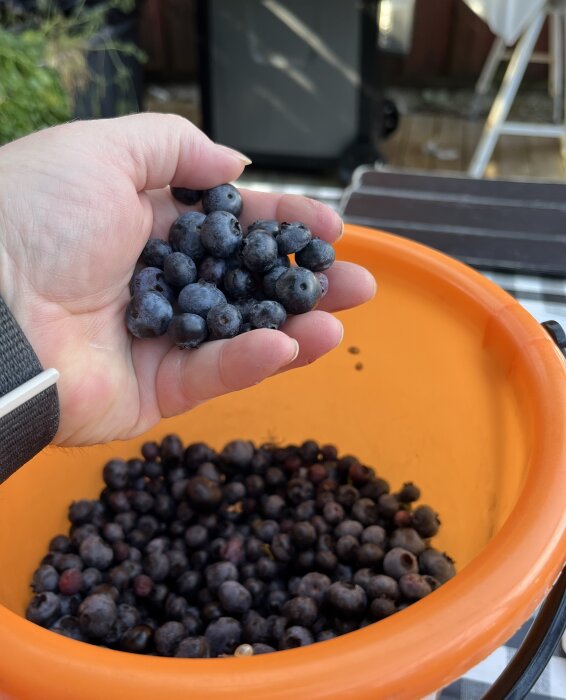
(44, 64)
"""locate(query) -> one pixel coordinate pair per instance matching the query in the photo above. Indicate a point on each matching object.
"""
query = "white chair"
(497, 123)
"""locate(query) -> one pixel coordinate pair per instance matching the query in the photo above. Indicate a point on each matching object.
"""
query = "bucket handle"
(537, 648)
(545, 633)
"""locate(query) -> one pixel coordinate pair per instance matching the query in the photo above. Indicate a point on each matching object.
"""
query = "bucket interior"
(434, 400)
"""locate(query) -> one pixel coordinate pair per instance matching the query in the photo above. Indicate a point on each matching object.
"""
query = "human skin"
(78, 202)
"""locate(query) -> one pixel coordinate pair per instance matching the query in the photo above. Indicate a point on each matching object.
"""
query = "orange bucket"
(461, 390)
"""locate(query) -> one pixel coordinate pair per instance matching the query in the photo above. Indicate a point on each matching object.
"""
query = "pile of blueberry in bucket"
(212, 281)
(195, 553)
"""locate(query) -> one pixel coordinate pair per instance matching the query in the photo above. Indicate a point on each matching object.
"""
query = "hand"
(77, 205)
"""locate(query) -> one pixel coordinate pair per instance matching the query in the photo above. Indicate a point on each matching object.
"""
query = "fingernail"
(295, 354)
(240, 156)
(341, 334)
(341, 231)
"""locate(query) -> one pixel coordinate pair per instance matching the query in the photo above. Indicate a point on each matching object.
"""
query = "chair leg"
(556, 65)
(505, 96)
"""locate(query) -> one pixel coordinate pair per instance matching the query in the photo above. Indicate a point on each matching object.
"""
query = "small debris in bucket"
(194, 553)
(354, 350)
(359, 366)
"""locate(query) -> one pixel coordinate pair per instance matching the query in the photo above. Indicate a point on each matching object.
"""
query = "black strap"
(26, 430)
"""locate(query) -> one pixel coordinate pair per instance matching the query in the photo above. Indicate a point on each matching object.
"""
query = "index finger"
(323, 221)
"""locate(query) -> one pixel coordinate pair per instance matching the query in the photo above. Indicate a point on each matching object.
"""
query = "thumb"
(156, 150)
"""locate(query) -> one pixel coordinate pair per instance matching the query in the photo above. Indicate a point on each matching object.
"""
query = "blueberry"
(436, 564)
(116, 474)
(44, 608)
(259, 251)
(317, 256)
(60, 543)
(388, 505)
(142, 585)
(151, 279)
(82, 511)
(374, 534)
(212, 270)
(185, 195)
(203, 493)
(196, 453)
(223, 635)
(398, 562)
(234, 598)
(196, 536)
(326, 561)
(222, 198)
(323, 281)
(408, 538)
(113, 532)
(148, 315)
(346, 548)
(168, 637)
(185, 235)
(199, 297)
(270, 279)
(409, 493)
(303, 534)
(221, 234)
(266, 530)
(189, 583)
(157, 566)
(347, 600)
(292, 238)
(267, 569)
(137, 639)
(179, 270)
(267, 314)
(369, 555)
(71, 582)
(171, 450)
(298, 290)
(381, 586)
(238, 454)
(155, 251)
(244, 306)
(314, 585)
(269, 225)
(45, 578)
(91, 578)
(95, 552)
(97, 614)
(175, 607)
(349, 527)
(187, 330)
(68, 626)
(333, 512)
(382, 607)
(234, 492)
(193, 648)
(414, 586)
(365, 511)
(425, 521)
(238, 283)
(296, 636)
(216, 574)
(362, 577)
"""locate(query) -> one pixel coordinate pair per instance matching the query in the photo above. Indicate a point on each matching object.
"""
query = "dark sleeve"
(26, 430)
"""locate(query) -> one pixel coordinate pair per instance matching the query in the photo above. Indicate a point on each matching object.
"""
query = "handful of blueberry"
(195, 553)
(212, 280)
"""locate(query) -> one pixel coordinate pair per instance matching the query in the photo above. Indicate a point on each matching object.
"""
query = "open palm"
(77, 205)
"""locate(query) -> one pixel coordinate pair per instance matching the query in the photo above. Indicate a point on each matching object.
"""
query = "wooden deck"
(446, 143)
